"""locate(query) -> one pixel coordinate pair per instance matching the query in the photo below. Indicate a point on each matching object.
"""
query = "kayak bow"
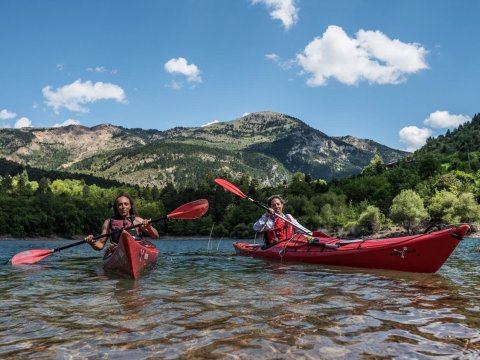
(130, 257)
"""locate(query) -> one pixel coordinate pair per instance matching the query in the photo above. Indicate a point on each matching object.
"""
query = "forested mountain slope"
(267, 146)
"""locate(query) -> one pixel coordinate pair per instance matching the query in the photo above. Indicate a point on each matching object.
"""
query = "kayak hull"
(130, 257)
(424, 253)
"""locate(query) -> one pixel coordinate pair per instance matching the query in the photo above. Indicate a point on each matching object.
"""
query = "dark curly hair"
(133, 209)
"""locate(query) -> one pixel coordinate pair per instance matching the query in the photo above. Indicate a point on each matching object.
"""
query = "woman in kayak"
(275, 228)
(125, 216)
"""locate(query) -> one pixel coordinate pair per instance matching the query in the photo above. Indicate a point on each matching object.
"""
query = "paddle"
(233, 189)
(189, 211)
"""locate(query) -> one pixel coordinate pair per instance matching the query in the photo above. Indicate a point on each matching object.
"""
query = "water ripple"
(200, 302)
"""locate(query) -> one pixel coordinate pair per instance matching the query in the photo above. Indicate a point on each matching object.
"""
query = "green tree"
(375, 167)
(298, 186)
(442, 207)
(371, 220)
(408, 209)
(447, 182)
(6, 184)
(44, 186)
(24, 187)
(467, 208)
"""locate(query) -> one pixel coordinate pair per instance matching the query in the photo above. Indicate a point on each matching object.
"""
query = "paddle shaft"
(105, 235)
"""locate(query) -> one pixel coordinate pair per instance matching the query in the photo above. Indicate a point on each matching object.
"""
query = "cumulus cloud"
(181, 66)
(68, 122)
(414, 137)
(73, 96)
(23, 122)
(6, 114)
(284, 10)
(443, 119)
(371, 56)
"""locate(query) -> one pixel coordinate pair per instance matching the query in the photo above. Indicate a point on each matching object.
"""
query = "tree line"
(357, 206)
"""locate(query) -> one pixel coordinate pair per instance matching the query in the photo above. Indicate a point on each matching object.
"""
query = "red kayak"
(130, 257)
(424, 253)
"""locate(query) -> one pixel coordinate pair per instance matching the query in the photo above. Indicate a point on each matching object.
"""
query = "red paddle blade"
(30, 257)
(191, 210)
(230, 187)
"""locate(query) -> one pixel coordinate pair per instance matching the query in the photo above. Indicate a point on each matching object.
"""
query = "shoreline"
(80, 237)
(382, 234)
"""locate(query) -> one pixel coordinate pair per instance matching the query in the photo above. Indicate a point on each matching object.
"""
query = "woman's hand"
(148, 228)
(146, 224)
(89, 239)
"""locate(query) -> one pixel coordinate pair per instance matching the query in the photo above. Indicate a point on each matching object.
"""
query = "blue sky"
(392, 71)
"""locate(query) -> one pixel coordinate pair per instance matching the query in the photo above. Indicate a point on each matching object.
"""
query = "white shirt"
(267, 222)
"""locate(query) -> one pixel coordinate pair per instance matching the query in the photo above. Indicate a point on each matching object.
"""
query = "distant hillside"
(12, 168)
(267, 146)
(464, 139)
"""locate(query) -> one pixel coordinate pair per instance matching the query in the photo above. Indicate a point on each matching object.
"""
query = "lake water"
(201, 301)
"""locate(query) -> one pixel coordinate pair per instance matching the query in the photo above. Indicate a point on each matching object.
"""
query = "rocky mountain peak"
(266, 145)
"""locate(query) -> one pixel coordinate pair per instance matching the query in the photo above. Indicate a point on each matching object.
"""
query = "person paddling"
(125, 215)
(274, 227)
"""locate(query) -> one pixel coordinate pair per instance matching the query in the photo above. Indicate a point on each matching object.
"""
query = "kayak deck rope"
(284, 249)
(210, 238)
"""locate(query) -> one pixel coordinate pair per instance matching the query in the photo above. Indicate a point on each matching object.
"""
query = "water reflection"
(203, 303)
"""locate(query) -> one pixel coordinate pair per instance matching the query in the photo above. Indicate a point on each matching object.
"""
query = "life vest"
(116, 224)
(281, 231)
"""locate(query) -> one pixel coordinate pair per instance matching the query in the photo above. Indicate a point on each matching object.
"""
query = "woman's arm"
(100, 243)
(266, 222)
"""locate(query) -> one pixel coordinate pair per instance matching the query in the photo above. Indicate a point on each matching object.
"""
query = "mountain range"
(267, 146)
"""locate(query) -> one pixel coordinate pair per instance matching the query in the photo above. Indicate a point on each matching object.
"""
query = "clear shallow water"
(203, 301)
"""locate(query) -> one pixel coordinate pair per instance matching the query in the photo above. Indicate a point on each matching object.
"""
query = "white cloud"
(210, 123)
(6, 114)
(68, 122)
(414, 137)
(273, 57)
(181, 66)
(101, 69)
(283, 64)
(403, 57)
(98, 69)
(370, 56)
(76, 94)
(175, 85)
(283, 10)
(23, 122)
(443, 119)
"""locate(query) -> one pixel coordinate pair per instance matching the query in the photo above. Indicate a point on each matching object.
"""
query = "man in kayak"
(125, 215)
(273, 226)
